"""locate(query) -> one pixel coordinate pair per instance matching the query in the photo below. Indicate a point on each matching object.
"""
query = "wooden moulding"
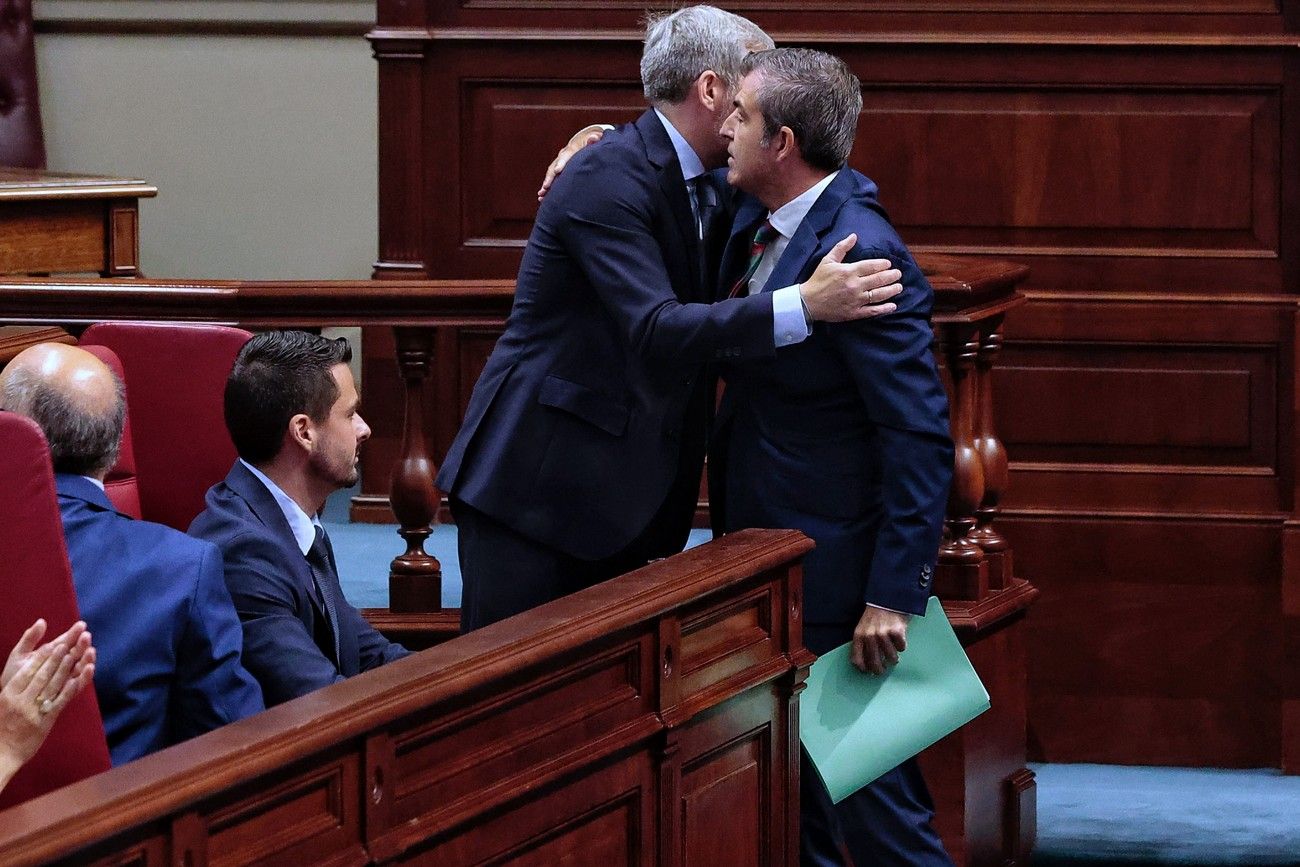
(544, 733)
(14, 340)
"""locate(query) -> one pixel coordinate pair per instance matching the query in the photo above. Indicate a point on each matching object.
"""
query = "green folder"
(857, 726)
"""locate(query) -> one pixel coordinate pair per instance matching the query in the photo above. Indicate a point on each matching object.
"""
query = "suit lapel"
(660, 153)
(267, 510)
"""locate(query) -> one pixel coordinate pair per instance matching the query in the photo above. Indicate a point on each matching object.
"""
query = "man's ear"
(301, 432)
(711, 90)
(786, 144)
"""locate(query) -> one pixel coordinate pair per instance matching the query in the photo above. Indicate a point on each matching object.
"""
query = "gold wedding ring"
(44, 705)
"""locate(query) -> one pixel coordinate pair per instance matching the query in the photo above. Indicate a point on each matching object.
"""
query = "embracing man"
(583, 443)
(843, 436)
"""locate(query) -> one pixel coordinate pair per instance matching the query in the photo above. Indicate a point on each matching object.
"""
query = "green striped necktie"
(764, 236)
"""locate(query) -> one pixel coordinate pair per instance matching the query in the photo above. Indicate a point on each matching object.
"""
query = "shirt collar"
(691, 166)
(96, 482)
(301, 524)
(786, 219)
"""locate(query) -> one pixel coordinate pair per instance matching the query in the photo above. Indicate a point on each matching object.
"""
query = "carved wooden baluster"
(963, 573)
(993, 457)
(415, 577)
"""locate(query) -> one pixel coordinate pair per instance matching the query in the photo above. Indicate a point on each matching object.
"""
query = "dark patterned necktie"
(706, 203)
(320, 556)
(764, 236)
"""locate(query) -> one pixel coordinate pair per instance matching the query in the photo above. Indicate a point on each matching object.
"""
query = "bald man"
(167, 635)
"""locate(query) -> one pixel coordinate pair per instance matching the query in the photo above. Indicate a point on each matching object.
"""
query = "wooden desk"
(649, 720)
(52, 223)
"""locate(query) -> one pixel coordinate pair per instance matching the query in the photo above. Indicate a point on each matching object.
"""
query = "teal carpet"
(1088, 815)
(1108, 815)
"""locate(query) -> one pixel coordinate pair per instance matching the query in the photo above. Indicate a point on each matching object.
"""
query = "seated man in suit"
(291, 408)
(843, 436)
(583, 443)
(166, 633)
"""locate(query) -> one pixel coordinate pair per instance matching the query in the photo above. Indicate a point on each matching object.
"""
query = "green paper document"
(857, 726)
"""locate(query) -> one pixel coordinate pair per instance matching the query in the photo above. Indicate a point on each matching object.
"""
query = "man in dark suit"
(582, 446)
(843, 436)
(167, 636)
(291, 408)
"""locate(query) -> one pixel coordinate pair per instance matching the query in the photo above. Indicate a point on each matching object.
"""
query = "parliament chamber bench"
(649, 720)
(983, 792)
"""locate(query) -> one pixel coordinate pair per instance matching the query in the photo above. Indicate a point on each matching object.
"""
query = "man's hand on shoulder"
(586, 136)
(878, 639)
(840, 291)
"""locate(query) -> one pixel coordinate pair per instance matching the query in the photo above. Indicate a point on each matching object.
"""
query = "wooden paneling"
(565, 735)
(1160, 632)
(1138, 403)
(1141, 159)
(1069, 168)
(505, 128)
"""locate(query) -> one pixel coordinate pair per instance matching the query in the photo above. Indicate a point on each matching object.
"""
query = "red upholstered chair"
(21, 140)
(36, 581)
(175, 379)
(121, 484)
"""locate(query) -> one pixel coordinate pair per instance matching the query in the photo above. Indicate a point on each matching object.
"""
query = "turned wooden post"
(993, 459)
(982, 790)
(963, 573)
(415, 577)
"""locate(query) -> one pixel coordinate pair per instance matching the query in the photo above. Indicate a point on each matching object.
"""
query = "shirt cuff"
(894, 610)
(789, 325)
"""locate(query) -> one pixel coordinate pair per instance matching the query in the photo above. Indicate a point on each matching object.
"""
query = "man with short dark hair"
(843, 436)
(166, 633)
(291, 407)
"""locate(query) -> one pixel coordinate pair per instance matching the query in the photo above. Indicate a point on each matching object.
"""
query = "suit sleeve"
(894, 370)
(604, 217)
(278, 648)
(212, 687)
(374, 650)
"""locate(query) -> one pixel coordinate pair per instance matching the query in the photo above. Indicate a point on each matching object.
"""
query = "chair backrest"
(22, 142)
(36, 581)
(121, 484)
(175, 381)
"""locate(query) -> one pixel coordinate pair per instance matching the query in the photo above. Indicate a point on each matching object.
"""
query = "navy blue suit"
(166, 633)
(585, 433)
(288, 643)
(845, 437)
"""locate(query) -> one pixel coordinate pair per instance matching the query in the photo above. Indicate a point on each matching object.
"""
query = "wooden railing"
(651, 719)
(983, 792)
(972, 296)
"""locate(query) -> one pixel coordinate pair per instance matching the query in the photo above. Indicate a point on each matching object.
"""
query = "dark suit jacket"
(844, 436)
(166, 633)
(579, 423)
(287, 642)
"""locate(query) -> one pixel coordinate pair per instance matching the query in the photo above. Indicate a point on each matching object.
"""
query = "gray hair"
(680, 45)
(82, 442)
(815, 95)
